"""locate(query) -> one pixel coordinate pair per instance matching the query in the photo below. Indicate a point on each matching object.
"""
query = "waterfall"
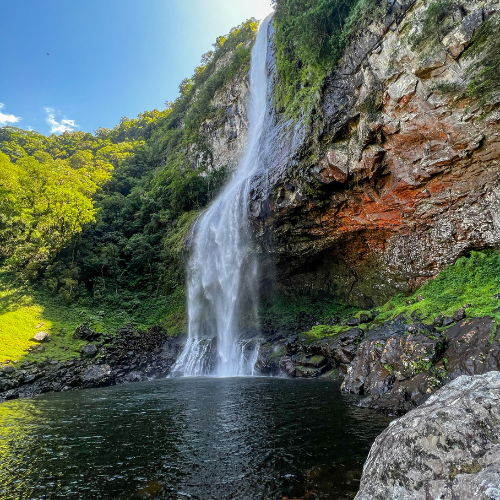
(223, 271)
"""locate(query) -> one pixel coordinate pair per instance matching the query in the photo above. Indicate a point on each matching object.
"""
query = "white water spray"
(222, 271)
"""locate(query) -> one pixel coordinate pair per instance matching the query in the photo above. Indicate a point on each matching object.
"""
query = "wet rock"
(446, 448)
(447, 322)
(458, 315)
(309, 361)
(473, 347)
(303, 371)
(89, 351)
(393, 403)
(129, 356)
(133, 377)
(341, 349)
(269, 358)
(353, 322)
(438, 321)
(287, 366)
(380, 362)
(96, 375)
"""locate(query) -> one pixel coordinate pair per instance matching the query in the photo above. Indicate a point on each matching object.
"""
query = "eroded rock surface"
(403, 176)
(446, 449)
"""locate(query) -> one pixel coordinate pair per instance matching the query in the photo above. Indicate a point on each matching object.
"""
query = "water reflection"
(197, 438)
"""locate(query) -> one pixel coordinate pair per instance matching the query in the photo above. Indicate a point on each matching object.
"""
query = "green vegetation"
(310, 37)
(95, 223)
(484, 72)
(473, 280)
(24, 312)
(290, 313)
(27, 309)
(45, 202)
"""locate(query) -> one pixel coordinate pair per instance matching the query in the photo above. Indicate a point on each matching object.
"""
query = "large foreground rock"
(446, 449)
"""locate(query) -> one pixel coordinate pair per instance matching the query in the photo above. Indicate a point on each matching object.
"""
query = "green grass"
(23, 308)
(322, 331)
(471, 280)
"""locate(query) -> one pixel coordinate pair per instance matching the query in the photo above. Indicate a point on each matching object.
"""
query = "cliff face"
(226, 135)
(401, 177)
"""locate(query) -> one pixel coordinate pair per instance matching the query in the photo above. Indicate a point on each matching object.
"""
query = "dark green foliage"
(293, 313)
(484, 72)
(310, 37)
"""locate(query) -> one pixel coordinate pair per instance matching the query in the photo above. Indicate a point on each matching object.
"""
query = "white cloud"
(5, 119)
(58, 127)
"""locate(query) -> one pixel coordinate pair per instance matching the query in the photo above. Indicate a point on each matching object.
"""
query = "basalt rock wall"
(398, 177)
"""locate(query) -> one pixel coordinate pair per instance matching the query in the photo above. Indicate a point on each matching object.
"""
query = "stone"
(447, 448)
(364, 318)
(380, 362)
(89, 351)
(353, 322)
(447, 321)
(96, 375)
(83, 332)
(459, 315)
(422, 178)
(403, 87)
(341, 349)
(473, 347)
(287, 366)
(438, 321)
(41, 337)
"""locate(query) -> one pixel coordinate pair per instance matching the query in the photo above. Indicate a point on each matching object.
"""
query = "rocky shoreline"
(397, 365)
(129, 356)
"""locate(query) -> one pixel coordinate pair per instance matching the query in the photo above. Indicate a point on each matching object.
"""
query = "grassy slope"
(473, 280)
(23, 308)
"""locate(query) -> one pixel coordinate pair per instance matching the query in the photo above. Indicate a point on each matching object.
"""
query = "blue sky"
(107, 58)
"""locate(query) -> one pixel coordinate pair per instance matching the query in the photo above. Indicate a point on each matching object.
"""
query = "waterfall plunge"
(222, 271)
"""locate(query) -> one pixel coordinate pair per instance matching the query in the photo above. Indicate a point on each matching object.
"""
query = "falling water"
(223, 271)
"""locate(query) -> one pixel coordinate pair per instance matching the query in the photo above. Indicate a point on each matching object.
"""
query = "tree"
(45, 202)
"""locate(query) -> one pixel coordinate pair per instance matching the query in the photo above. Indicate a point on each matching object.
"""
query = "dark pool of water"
(239, 438)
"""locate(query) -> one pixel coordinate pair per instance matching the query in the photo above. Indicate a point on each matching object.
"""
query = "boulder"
(89, 351)
(41, 337)
(342, 348)
(380, 362)
(446, 449)
(96, 375)
(473, 347)
(83, 332)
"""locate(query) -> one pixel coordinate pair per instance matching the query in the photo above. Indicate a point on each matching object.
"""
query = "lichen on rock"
(447, 448)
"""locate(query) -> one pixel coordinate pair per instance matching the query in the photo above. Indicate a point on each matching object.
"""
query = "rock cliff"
(398, 176)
